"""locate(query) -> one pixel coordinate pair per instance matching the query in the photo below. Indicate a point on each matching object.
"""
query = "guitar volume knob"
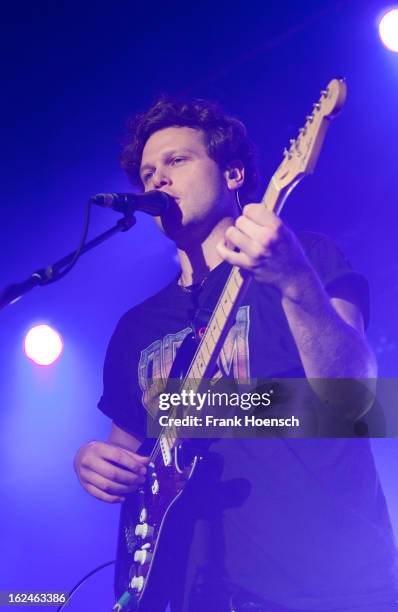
(137, 583)
(142, 556)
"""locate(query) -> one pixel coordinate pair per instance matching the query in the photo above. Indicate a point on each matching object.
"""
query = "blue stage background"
(71, 75)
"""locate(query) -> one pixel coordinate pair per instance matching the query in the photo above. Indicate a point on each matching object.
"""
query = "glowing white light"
(388, 29)
(43, 345)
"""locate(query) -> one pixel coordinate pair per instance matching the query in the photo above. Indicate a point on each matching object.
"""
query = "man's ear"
(234, 175)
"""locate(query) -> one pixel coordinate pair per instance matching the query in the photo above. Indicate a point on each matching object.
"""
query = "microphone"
(152, 202)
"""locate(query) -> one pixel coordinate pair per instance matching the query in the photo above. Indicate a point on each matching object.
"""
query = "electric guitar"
(151, 517)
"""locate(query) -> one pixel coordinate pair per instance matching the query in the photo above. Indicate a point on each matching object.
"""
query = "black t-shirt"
(299, 522)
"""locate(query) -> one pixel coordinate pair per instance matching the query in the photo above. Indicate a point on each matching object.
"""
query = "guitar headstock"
(301, 157)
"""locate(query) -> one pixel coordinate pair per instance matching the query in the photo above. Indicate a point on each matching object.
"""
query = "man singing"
(287, 524)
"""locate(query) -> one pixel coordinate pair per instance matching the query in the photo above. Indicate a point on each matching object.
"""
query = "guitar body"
(160, 509)
(167, 544)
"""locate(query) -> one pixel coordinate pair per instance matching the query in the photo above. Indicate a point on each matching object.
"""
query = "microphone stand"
(46, 276)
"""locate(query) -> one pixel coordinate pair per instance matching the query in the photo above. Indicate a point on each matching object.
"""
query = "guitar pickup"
(166, 453)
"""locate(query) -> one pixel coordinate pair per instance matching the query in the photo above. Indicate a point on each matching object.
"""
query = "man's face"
(175, 160)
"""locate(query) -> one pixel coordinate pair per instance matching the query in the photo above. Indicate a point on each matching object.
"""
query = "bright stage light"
(388, 29)
(43, 345)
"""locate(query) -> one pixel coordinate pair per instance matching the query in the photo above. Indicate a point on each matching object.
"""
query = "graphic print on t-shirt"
(156, 360)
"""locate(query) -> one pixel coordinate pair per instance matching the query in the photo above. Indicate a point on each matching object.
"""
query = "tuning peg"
(309, 118)
(302, 131)
(317, 106)
(324, 93)
(287, 153)
(292, 142)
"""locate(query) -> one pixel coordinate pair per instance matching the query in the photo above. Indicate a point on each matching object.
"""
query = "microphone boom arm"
(46, 276)
(152, 202)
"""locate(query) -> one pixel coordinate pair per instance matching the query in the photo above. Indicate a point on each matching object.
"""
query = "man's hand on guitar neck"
(268, 249)
(111, 470)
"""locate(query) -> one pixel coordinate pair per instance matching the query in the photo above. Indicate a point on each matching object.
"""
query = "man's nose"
(160, 179)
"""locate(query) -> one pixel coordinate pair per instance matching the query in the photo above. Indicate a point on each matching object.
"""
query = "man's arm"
(122, 438)
(328, 332)
(337, 360)
(111, 470)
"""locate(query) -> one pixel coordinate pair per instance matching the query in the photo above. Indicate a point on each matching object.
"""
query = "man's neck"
(197, 260)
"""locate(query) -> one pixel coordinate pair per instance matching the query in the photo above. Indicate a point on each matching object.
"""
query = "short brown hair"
(225, 137)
